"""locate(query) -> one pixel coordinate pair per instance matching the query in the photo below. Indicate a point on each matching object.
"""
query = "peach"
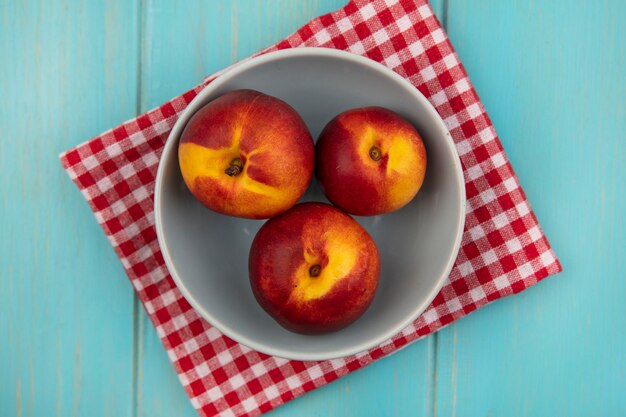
(314, 269)
(370, 161)
(247, 154)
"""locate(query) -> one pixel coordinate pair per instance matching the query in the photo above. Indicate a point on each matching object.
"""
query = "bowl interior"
(207, 253)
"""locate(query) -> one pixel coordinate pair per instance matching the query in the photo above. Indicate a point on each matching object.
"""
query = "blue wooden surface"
(75, 341)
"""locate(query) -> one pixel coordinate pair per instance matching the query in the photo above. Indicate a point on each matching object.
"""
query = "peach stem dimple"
(375, 153)
(315, 271)
(235, 167)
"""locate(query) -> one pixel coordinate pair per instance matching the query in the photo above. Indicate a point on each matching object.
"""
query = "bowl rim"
(175, 133)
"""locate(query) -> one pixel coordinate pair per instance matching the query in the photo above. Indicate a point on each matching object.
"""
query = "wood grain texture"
(66, 330)
(75, 341)
(552, 78)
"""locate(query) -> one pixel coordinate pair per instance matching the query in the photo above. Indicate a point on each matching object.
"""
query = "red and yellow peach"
(247, 154)
(370, 161)
(314, 269)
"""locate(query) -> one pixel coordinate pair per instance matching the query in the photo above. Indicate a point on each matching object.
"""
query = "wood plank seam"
(137, 358)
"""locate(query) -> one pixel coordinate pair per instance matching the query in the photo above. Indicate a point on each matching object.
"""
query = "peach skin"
(314, 269)
(370, 161)
(247, 154)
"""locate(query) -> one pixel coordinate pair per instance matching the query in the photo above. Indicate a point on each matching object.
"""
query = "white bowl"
(207, 253)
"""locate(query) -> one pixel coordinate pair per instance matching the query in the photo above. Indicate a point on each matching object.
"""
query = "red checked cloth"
(504, 250)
